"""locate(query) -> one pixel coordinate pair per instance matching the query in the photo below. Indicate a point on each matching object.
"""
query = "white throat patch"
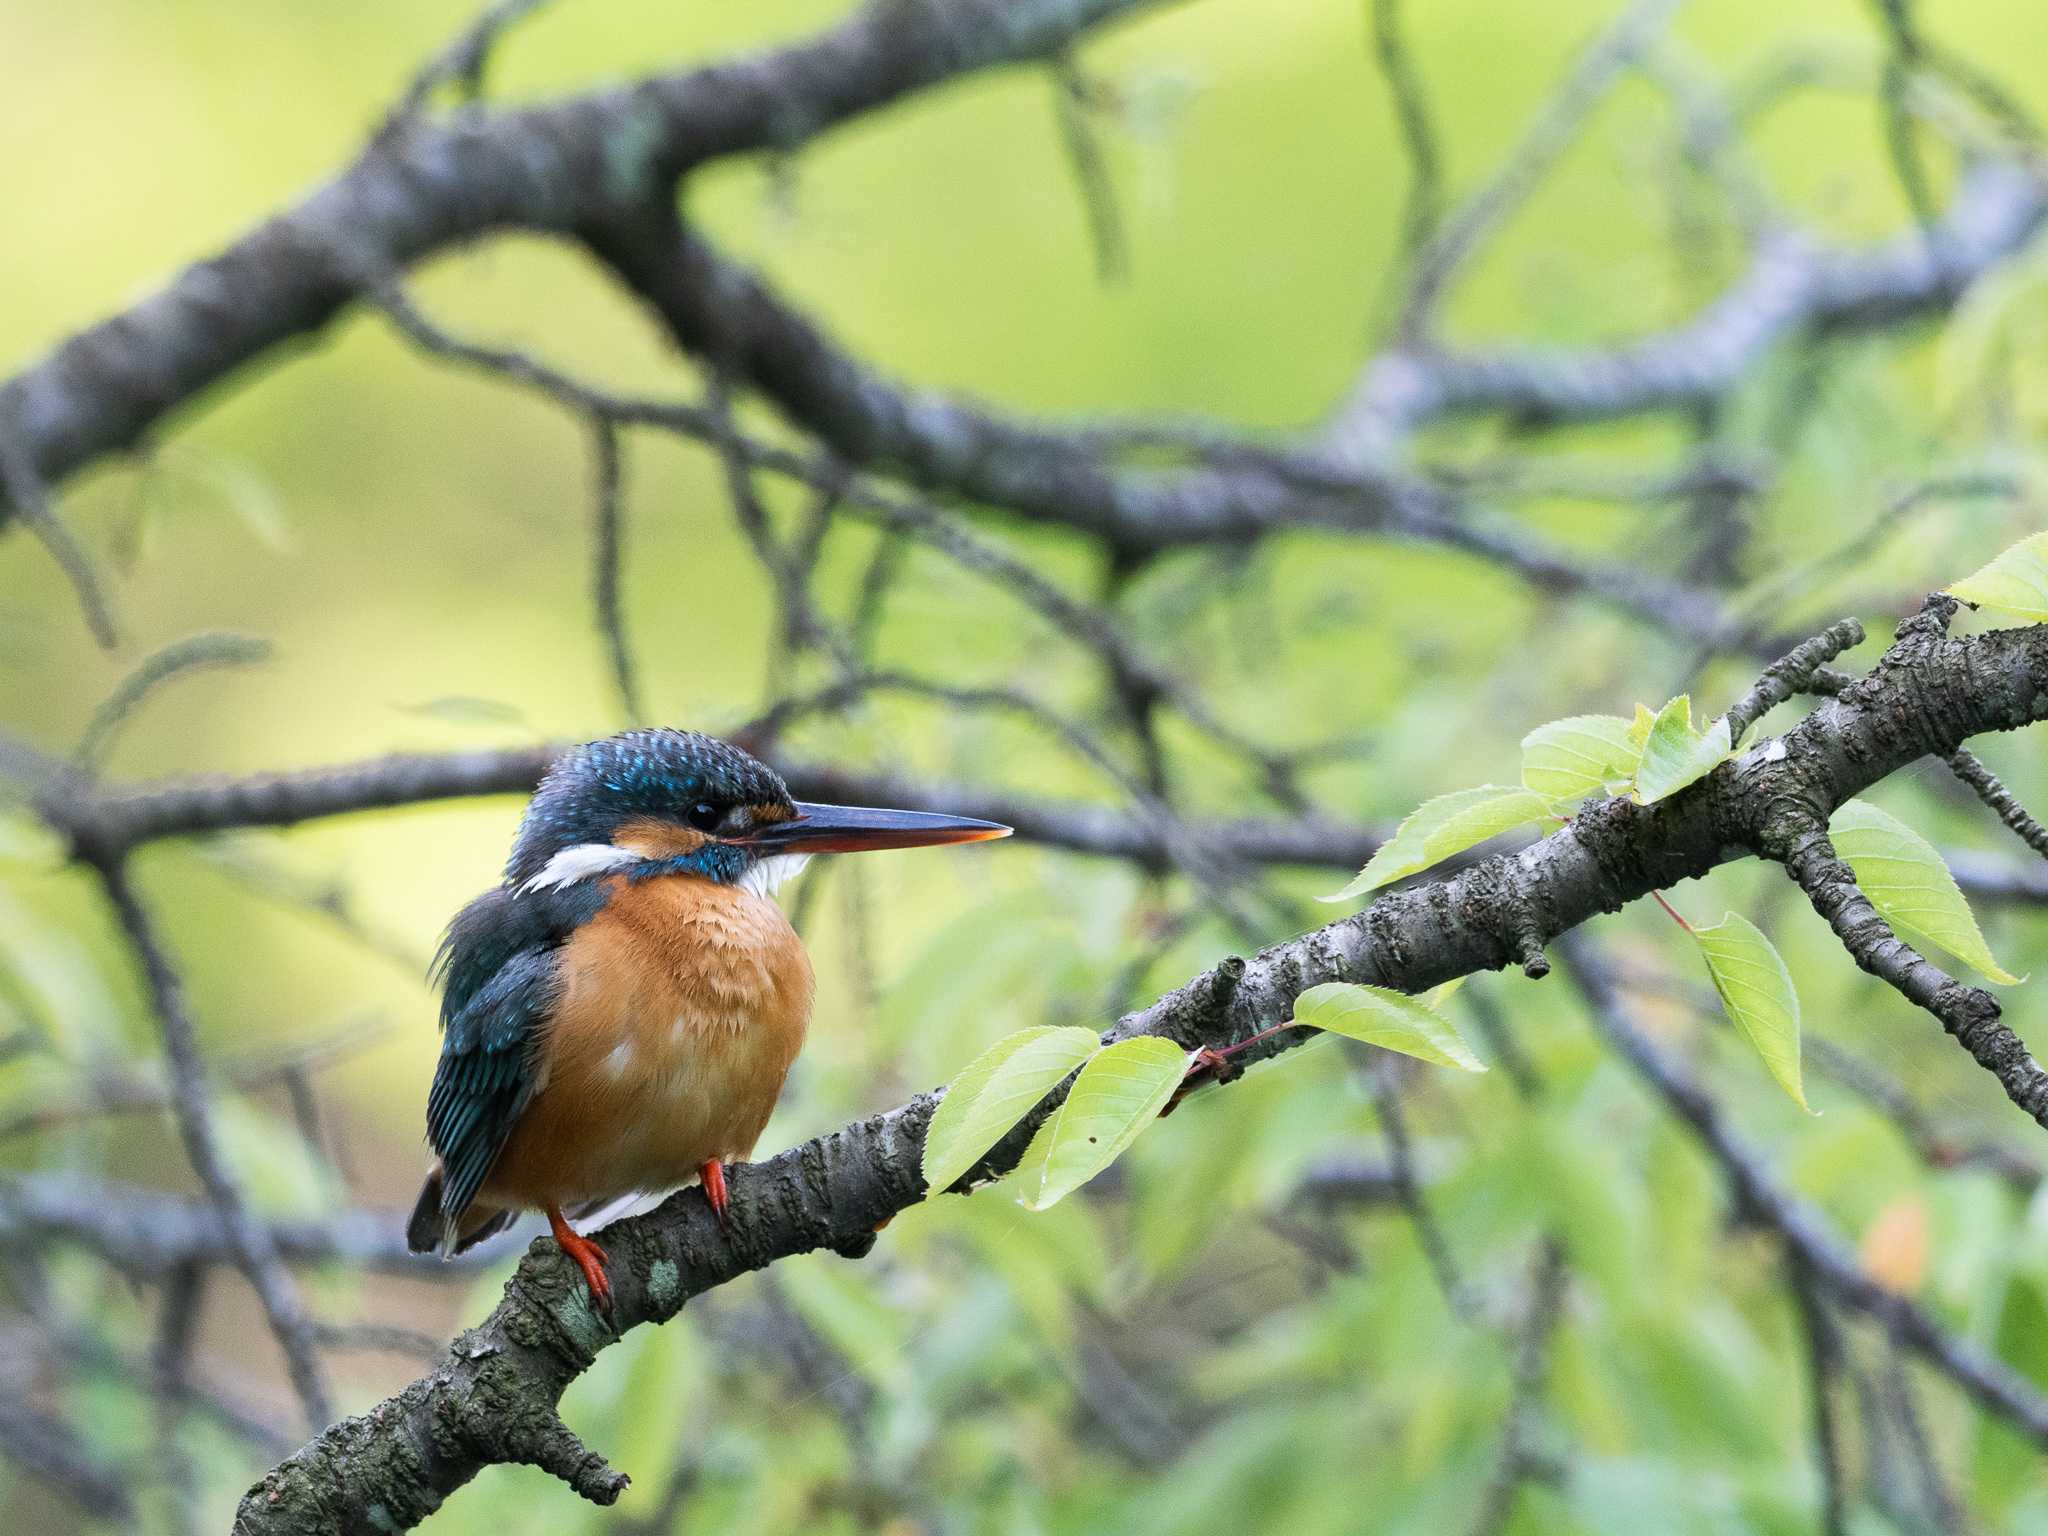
(580, 863)
(766, 876)
(586, 860)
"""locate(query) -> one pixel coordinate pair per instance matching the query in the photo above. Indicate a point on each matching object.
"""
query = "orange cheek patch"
(653, 838)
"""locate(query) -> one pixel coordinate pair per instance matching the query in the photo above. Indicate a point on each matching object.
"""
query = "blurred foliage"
(1160, 1353)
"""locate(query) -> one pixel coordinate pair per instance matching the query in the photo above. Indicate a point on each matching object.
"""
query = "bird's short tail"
(432, 1231)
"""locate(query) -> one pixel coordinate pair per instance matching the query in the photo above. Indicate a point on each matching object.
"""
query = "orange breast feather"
(684, 1003)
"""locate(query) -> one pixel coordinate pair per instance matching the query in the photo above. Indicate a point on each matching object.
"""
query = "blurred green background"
(414, 541)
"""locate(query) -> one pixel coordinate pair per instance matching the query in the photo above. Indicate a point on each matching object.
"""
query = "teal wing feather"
(499, 984)
(487, 1073)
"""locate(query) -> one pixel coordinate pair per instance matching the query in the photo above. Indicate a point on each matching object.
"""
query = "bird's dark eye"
(704, 816)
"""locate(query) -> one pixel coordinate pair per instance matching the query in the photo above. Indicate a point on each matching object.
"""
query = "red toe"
(713, 1176)
(589, 1258)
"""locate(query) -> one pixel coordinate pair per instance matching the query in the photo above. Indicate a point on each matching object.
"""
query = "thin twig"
(1396, 62)
(1520, 1458)
(150, 1235)
(1823, 1365)
(26, 491)
(1436, 1248)
(211, 648)
(1465, 227)
(1076, 101)
(608, 519)
(1939, 1500)
(462, 61)
(1792, 673)
(1965, 765)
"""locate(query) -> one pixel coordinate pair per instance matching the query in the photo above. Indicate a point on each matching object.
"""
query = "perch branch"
(493, 1397)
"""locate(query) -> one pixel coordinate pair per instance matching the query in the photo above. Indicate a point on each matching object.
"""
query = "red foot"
(589, 1258)
(713, 1176)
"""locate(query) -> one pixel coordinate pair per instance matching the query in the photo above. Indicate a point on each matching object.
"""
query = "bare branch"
(1520, 1458)
(431, 186)
(1971, 1014)
(1792, 673)
(1792, 286)
(1939, 1502)
(1429, 1234)
(255, 1252)
(153, 1236)
(130, 816)
(1556, 126)
(1900, 66)
(1938, 1149)
(1797, 837)
(728, 315)
(116, 1089)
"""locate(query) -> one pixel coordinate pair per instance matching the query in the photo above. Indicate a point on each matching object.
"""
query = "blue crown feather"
(590, 792)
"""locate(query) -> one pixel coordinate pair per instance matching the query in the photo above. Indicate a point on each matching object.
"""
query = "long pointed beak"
(857, 828)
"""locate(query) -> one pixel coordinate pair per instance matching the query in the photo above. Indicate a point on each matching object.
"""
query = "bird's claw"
(595, 1264)
(588, 1257)
(712, 1175)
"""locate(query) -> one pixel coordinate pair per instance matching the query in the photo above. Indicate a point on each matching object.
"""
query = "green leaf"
(2015, 583)
(467, 709)
(1674, 754)
(253, 500)
(1568, 759)
(1441, 827)
(1391, 1020)
(1639, 728)
(996, 1090)
(56, 978)
(1756, 989)
(1441, 993)
(1118, 1094)
(1911, 888)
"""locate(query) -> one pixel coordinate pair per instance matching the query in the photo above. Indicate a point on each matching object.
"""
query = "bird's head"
(659, 802)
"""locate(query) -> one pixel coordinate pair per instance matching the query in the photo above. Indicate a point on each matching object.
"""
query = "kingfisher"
(619, 1014)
